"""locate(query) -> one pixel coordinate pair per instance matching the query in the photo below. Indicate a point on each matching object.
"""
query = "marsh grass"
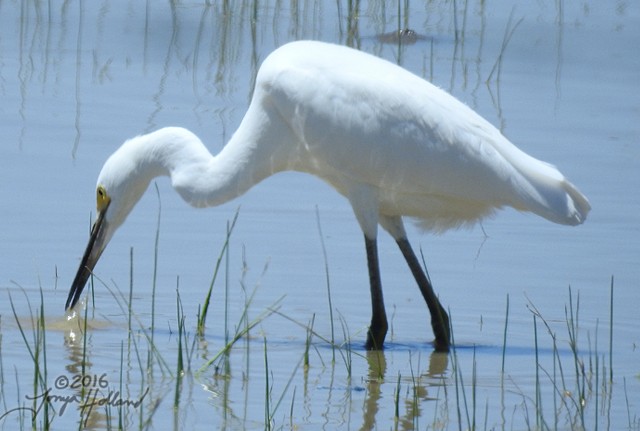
(244, 324)
(574, 392)
(577, 387)
(508, 34)
(270, 407)
(572, 388)
(136, 330)
(328, 283)
(38, 353)
(346, 352)
(180, 367)
(154, 279)
(307, 341)
(202, 314)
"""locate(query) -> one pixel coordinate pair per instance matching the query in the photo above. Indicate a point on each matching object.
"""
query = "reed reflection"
(413, 389)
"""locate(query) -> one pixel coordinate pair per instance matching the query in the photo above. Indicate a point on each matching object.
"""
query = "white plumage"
(392, 143)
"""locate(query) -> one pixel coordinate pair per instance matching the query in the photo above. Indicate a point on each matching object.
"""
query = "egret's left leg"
(439, 316)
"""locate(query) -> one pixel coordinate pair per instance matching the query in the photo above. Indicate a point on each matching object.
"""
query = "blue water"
(76, 80)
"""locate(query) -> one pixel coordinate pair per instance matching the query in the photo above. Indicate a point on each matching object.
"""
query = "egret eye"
(102, 198)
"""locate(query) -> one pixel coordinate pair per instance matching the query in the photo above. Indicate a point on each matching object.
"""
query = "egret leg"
(379, 325)
(439, 317)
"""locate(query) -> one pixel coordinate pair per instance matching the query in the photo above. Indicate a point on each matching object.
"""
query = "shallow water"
(78, 79)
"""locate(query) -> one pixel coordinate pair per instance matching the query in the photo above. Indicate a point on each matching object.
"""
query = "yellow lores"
(102, 199)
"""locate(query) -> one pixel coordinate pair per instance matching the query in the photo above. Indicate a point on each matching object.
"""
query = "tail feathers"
(559, 201)
(545, 191)
(577, 204)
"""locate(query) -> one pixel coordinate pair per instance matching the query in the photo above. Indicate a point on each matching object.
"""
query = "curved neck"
(199, 177)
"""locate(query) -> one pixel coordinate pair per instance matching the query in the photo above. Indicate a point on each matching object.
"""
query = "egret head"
(121, 183)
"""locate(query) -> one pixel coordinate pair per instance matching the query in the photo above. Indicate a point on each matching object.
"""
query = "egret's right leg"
(364, 201)
(378, 328)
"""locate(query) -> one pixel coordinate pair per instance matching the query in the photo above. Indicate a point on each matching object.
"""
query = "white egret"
(392, 143)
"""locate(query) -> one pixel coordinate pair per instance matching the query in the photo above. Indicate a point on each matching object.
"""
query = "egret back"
(352, 118)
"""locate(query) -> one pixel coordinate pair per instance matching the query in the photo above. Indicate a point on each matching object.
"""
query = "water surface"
(77, 79)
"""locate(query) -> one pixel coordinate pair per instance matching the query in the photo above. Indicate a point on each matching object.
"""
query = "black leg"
(439, 317)
(379, 326)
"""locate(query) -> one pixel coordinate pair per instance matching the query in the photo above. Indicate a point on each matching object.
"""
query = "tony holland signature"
(93, 397)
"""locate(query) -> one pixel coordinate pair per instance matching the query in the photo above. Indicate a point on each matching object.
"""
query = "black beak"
(91, 255)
